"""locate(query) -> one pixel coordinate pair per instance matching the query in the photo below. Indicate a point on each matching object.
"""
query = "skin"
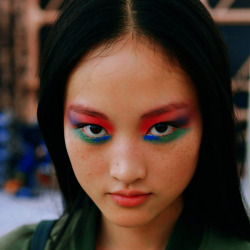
(125, 84)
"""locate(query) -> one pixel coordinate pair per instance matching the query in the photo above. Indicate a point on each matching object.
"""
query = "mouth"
(129, 198)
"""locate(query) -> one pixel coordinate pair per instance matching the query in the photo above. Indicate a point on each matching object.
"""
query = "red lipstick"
(129, 198)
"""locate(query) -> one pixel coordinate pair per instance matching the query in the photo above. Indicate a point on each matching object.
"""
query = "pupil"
(161, 127)
(95, 129)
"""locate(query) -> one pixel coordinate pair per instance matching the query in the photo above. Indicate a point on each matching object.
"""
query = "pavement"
(17, 211)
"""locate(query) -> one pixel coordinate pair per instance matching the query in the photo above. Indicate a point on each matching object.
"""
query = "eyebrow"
(164, 109)
(80, 109)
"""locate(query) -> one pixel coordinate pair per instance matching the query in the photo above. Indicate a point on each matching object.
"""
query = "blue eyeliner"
(94, 140)
(179, 132)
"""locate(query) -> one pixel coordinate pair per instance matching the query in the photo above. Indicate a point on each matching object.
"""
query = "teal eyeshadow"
(95, 140)
(168, 138)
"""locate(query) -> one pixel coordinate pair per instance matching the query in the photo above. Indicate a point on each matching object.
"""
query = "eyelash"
(177, 131)
(94, 140)
(148, 137)
(82, 126)
(162, 124)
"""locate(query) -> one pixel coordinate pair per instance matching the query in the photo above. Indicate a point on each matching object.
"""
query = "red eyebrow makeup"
(82, 115)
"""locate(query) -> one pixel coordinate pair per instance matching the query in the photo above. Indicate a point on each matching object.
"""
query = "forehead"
(108, 58)
(126, 74)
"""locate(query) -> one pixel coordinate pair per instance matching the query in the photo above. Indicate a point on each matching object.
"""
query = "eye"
(161, 129)
(95, 131)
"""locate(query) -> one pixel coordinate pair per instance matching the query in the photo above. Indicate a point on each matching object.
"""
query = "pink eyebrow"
(164, 109)
(86, 111)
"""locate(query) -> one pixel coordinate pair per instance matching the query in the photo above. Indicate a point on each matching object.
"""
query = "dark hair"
(188, 34)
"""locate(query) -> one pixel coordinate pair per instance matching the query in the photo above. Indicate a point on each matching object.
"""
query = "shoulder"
(217, 240)
(20, 238)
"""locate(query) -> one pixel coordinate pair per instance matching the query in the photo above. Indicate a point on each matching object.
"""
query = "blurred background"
(28, 189)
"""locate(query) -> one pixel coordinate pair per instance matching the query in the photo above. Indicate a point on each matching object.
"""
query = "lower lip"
(129, 201)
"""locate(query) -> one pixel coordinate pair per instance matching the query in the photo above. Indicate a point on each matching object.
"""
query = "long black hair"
(188, 35)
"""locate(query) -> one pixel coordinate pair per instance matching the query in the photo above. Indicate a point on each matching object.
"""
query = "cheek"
(174, 165)
(86, 160)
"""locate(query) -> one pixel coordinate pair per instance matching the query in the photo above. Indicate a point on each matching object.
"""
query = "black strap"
(41, 234)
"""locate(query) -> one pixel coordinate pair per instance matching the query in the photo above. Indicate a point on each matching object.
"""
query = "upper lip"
(129, 192)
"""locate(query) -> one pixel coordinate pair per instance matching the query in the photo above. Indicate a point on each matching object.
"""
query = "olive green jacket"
(81, 235)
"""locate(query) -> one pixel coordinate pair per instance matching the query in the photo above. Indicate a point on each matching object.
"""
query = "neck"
(153, 235)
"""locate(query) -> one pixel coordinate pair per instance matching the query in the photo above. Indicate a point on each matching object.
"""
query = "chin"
(129, 223)
(130, 219)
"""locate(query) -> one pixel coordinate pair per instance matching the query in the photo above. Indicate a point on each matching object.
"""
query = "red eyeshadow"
(82, 118)
(167, 117)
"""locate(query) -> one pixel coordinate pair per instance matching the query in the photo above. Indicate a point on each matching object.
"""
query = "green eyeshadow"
(94, 140)
(167, 138)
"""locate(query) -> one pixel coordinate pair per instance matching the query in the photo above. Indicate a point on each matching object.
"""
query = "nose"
(127, 162)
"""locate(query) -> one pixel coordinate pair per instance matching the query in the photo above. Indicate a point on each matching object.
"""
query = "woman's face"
(133, 130)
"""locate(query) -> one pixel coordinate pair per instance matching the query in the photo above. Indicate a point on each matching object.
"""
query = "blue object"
(25, 192)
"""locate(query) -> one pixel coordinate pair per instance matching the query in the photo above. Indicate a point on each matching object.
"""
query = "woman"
(136, 110)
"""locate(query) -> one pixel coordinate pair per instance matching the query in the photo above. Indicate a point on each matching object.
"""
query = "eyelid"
(169, 123)
(92, 137)
(92, 140)
(164, 134)
(80, 125)
(177, 120)
(77, 119)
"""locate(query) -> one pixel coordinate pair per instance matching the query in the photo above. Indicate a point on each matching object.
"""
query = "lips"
(129, 198)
